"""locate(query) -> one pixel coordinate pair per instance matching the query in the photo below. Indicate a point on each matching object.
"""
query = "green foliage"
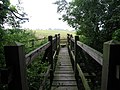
(116, 35)
(22, 36)
(11, 15)
(95, 19)
(2, 41)
(35, 72)
(35, 69)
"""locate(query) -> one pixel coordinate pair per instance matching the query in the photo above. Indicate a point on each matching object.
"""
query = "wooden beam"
(84, 81)
(111, 56)
(92, 52)
(15, 62)
(33, 54)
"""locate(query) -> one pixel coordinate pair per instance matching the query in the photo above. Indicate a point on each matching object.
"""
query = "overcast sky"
(42, 14)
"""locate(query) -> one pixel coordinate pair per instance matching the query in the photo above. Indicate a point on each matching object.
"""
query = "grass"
(46, 33)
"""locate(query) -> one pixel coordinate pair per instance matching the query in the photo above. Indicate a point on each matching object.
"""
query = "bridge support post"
(50, 57)
(68, 39)
(15, 62)
(56, 42)
(111, 66)
(76, 54)
(71, 44)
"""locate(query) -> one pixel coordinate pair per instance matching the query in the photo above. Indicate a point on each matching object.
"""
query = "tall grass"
(46, 33)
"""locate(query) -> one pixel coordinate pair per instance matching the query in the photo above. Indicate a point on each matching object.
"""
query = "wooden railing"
(108, 63)
(16, 63)
(32, 41)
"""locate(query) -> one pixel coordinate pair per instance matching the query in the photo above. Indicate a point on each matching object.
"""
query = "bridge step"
(64, 83)
(70, 78)
(64, 72)
(64, 69)
(64, 77)
(64, 88)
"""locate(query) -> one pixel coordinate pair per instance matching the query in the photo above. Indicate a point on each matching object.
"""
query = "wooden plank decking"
(64, 78)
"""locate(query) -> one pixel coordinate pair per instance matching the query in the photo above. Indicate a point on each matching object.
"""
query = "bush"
(116, 35)
(37, 67)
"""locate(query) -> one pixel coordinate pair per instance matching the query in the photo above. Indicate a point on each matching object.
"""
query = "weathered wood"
(64, 83)
(76, 54)
(62, 69)
(72, 39)
(15, 61)
(62, 66)
(54, 55)
(111, 65)
(110, 80)
(64, 75)
(33, 54)
(84, 81)
(64, 72)
(71, 42)
(45, 56)
(4, 76)
(92, 52)
(64, 63)
(50, 58)
(73, 55)
(68, 39)
(51, 53)
(64, 87)
(72, 78)
(56, 42)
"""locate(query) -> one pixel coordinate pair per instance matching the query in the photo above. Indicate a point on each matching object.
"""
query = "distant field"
(46, 33)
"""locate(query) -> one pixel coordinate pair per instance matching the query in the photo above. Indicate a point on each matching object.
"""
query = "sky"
(42, 14)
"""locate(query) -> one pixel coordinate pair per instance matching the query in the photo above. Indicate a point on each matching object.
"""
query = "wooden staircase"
(64, 78)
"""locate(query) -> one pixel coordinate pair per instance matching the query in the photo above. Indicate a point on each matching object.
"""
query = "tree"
(97, 20)
(11, 15)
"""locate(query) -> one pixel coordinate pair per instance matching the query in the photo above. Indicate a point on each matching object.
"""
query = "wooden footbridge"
(72, 65)
(64, 78)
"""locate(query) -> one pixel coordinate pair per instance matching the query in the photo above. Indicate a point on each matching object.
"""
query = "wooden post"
(56, 42)
(50, 57)
(71, 42)
(68, 42)
(59, 40)
(15, 62)
(110, 70)
(3, 75)
(76, 54)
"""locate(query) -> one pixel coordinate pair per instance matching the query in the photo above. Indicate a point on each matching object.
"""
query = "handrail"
(85, 83)
(72, 39)
(108, 63)
(92, 52)
(17, 61)
(33, 54)
(73, 45)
